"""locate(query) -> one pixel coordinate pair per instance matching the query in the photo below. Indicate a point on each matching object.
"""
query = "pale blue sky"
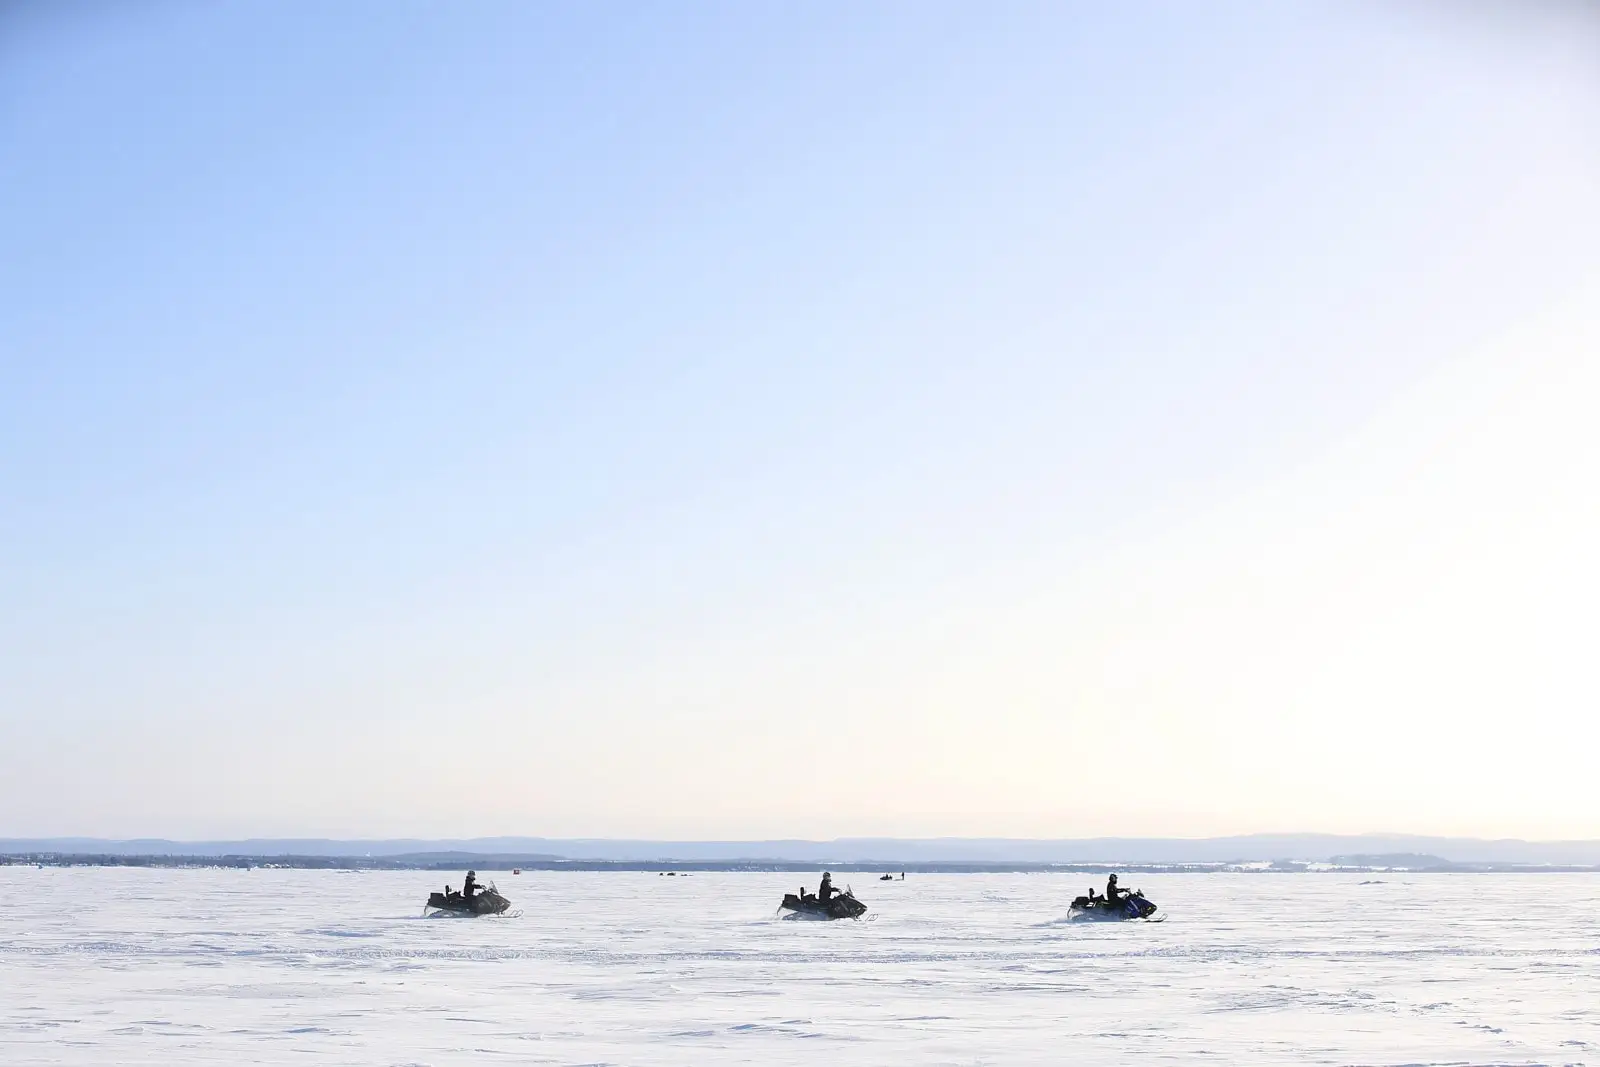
(512, 418)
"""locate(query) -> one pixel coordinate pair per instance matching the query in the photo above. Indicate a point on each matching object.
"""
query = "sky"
(758, 420)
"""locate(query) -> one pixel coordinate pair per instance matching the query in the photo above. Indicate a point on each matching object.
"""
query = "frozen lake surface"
(118, 965)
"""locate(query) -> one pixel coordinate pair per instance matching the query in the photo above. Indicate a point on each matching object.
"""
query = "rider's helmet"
(827, 874)
(472, 874)
(1112, 879)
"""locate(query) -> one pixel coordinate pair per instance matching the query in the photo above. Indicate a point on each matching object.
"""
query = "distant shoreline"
(1268, 853)
(500, 863)
(1275, 851)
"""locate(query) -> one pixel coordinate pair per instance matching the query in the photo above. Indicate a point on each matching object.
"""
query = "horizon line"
(630, 839)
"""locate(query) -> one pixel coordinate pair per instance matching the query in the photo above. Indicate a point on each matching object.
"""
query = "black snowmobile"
(844, 905)
(483, 902)
(1094, 908)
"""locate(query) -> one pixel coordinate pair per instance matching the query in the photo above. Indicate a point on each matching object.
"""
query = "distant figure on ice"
(825, 890)
(470, 886)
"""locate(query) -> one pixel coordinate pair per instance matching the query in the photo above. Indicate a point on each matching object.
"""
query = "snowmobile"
(483, 902)
(844, 905)
(1097, 909)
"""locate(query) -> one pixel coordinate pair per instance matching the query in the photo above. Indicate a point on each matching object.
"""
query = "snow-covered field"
(114, 966)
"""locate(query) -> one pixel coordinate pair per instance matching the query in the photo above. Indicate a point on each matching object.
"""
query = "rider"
(825, 890)
(1114, 895)
(470, 886)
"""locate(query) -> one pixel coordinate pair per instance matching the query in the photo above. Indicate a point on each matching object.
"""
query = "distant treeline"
(1408, 862)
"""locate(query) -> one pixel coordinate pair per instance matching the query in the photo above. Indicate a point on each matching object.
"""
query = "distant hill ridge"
(1249, 848)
